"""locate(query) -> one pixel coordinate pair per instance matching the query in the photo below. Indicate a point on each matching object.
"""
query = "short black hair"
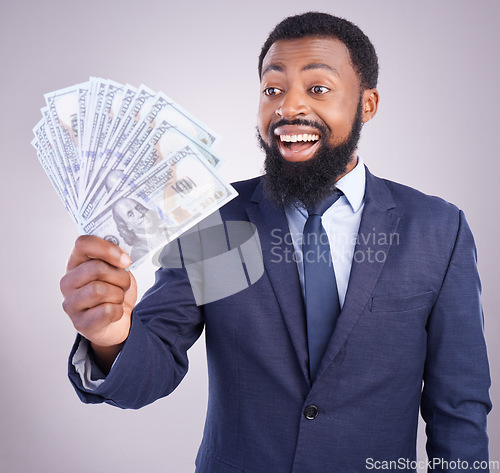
(323, 25)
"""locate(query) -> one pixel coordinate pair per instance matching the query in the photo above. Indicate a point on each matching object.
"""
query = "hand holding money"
(130, 165)
(135, 171)
(99, 295)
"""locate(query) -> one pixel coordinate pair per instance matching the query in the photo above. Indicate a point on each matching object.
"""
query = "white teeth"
(295, 138)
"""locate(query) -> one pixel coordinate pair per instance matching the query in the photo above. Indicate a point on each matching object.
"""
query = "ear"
(370, 104)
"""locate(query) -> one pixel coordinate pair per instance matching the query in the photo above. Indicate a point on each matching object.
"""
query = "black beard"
(308, 182)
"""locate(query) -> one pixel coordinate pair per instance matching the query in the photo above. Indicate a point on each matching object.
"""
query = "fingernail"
(125, 259)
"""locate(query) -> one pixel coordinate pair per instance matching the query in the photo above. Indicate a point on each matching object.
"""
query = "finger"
(97, 319)
(89, 247)
(131, 294)
(92, 295)
(94, 270)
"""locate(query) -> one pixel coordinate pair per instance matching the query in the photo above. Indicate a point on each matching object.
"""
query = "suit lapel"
(378, 223)
(277, 251)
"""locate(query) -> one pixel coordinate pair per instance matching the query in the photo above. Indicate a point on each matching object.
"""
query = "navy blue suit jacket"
(410, 335)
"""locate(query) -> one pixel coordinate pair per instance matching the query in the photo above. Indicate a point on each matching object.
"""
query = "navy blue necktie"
(322, 299)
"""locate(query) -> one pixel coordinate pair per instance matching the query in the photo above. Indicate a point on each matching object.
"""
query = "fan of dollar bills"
(129, 164)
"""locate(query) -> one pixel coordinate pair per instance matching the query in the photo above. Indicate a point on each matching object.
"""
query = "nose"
(294, 104)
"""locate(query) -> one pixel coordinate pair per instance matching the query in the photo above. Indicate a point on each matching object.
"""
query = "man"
(405, 271)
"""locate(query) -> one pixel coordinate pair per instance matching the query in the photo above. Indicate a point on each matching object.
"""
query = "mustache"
(322, 127)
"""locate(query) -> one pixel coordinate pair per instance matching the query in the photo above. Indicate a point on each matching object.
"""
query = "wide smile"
(297, 143)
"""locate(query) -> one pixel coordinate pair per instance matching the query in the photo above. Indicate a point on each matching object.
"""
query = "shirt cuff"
(90, 374)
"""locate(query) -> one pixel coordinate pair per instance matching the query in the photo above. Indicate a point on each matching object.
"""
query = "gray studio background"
(436, 129)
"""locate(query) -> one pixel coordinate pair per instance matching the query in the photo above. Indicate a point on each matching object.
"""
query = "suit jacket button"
(311, 412)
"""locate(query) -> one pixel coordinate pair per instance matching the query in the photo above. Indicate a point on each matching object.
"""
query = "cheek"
(339, 124)
(266, 114)
(263, 122)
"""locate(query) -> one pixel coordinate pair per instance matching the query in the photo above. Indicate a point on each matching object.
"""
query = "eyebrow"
(312, 66)
(320, 65)
(272, 67)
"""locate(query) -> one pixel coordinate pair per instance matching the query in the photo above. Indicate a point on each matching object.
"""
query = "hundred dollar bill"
(66, 105)
(45, 162)
(43, 147)
(119, 110)
(139, 106)
(189, 125)
(62, 106)
(164, 109)
(60, 158)
(112, 100)
(93, 127)
(46, 158)
(83, 91)
(112, 95)
(131, 167)
(140, 132)
(142, 99)
(169, 199)
(165, 140)
(148, 114)
(105, 146)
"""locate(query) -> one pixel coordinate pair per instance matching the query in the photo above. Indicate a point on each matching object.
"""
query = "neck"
(350, 166)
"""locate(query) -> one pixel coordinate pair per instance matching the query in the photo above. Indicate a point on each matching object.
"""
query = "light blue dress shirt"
(341, 222)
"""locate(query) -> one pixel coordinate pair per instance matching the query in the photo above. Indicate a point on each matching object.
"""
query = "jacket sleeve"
(154, 358)
(455, 399)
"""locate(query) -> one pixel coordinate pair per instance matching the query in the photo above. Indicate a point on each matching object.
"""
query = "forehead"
(290, 54)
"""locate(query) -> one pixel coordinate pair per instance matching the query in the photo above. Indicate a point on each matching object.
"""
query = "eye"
(319, 90)
(272, 91)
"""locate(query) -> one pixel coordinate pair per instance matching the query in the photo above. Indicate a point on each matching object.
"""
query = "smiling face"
(311, 79)
(311, 108)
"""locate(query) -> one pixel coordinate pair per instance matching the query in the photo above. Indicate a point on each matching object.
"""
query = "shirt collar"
(353, 185)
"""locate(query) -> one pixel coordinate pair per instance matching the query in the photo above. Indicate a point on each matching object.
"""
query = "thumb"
(131, 295)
